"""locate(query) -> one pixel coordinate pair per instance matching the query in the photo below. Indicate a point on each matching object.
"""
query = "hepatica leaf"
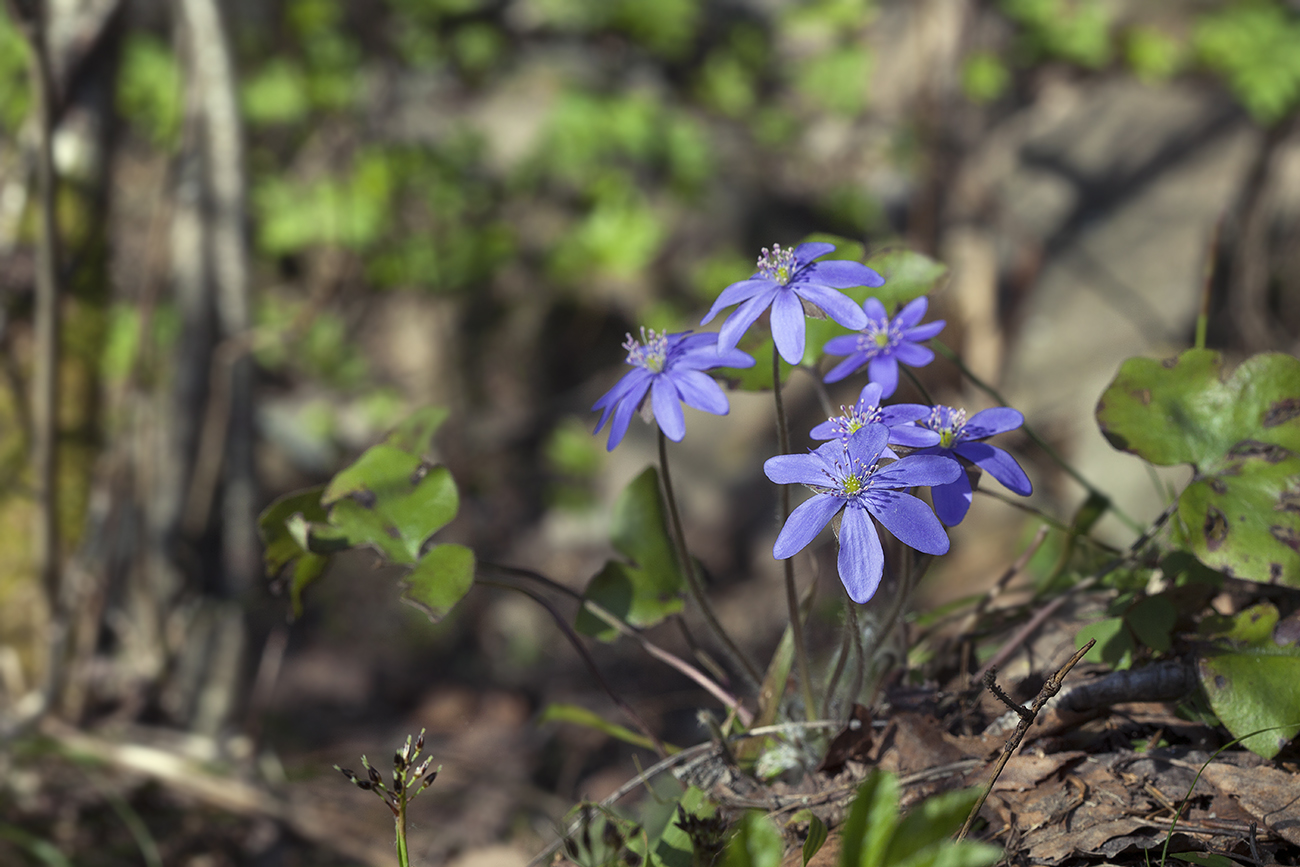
(392, 500)
(1241, 512)
(649, 587)
(1254, 689)
(1253, 679)
(285, 548)
(443, 575)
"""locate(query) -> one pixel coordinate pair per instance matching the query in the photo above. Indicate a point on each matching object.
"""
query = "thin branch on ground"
(1027, 717)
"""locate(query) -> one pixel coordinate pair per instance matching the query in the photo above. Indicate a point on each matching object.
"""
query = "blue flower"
(897, 417)
(883, 343)
(669, 367)
(847, 475)
(959, 438)
(786, 280)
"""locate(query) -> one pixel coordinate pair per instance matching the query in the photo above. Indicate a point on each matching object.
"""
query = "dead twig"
(1027, 716)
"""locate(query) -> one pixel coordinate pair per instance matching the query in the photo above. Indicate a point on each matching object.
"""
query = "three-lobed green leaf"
(1241, 512)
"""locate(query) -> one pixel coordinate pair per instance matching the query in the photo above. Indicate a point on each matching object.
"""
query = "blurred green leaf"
(15, 92)
(1253, 45)
(1152, 621)
(873, 816)
(930, 825)
(984, 77)
(572, 713)
(439, 580)
(572, 450)
(1077, 31)
(757, 842)
(1153, 55)
(149, 89)
(666, 27)
(836, 80)
(649, 587)
(276, 94)
(1115, 645)
(817, 835)
(727, 85)
(282, 547)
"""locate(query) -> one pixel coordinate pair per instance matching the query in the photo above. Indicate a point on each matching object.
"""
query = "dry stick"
(791, 591)
(693, 580)
(586, 657)
(709, 686)
(1027, 716)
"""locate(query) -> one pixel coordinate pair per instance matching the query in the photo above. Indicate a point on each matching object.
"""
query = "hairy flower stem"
(1033, 435)
(403, 857)
(791, 592)
(738, 657)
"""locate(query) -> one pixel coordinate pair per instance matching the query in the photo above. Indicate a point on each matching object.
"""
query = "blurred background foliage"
(469, 202)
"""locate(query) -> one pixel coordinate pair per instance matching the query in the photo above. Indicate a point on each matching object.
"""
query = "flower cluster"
(857, 472)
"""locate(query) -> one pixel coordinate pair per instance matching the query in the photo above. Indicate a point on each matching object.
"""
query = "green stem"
(791, 591)
(1033, 435)
(1203, 317)
(925, 395)
(403, 857)
(738, 658)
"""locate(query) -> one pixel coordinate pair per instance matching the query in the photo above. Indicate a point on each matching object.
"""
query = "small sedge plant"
(409, 779)
(802, 308)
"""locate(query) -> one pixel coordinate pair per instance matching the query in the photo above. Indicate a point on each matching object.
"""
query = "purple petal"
(709, 358)
(847, 367)
(913, 437)
(622, 416)
(804, 523)
(806, 469)
(917, 470)
(866, 443)
(924, 332)
(827, 430)
(700, 391)
(884, 370)
(896, 413)
(988, 422)
(668, 408)
(736, 293)
(837, 305)
(909, 519)
(632, 387)
(741, 318)
(875, 311)
(870, 396)
(999, 464)
(912, 313)
(841, 274)
(952, 501)
(805, 253)
(861, 559)
(845, 344)
(788, 326)
(913, 355)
